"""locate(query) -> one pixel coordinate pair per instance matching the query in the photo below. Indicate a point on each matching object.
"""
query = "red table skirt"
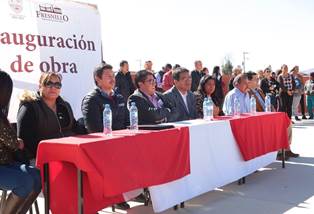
(260, 134)
(112, 165)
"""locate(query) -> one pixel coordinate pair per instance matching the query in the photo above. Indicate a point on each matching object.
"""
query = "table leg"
(46, 188)
(80, 191)
(283, 158)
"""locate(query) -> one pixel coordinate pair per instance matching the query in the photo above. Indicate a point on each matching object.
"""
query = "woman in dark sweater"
(206, 88)
(45, 115)
(24, 181)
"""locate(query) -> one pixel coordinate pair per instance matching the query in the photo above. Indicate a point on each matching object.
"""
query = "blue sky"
(182, 31)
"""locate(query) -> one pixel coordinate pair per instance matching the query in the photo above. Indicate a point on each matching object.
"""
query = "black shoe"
(296, 118)
(141, 198)
(291, 154)
(311, 118)
(280, 157)
(304, 117)
(122, 206)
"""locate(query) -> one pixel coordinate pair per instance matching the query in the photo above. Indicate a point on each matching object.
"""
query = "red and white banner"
(41, 36)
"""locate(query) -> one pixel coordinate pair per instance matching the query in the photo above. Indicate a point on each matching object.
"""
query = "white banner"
(41, 36)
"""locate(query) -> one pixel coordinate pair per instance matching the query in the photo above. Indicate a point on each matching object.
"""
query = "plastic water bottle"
(267, 103)
(236, 107)
(107, 120)
(205, 108)
(133, 117)
(253, 105)
(208, 108)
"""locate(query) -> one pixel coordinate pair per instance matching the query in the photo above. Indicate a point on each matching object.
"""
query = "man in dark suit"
(180, 96)
(196, 75)
(152, 107)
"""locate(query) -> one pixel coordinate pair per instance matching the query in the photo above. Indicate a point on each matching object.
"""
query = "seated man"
(239, 91)
(256, 91)
(152, 106)
(94, 102)
(180, 96)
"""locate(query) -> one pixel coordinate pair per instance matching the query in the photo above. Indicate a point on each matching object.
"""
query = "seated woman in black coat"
(206, 88)
(45, 115)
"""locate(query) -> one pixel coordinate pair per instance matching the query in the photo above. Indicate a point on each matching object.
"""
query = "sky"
(273, 32)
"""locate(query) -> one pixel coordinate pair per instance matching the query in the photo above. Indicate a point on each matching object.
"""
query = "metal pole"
(80, 191)
(46, 188)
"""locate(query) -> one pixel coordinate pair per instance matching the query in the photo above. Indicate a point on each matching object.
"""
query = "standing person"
(148, 66)
(240, 93)
(309, 90)
(45, 115)
(93, 105)
(23, 181)
(218, 86)
(269, 86)
(287, 86)
(167, 81)
(160, 75)
(196, 75)
(153, 108)
(206, 88)
(180, 96)
(124, 84)
(297, 93)
(235, 72)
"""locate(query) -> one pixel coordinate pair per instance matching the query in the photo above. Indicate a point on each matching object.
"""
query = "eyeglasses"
(51, 84)
(151, 81)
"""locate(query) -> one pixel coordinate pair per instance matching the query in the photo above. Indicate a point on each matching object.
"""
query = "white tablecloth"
(215, 162)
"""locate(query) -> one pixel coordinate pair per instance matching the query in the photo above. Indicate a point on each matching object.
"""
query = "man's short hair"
(197, 61)
(177, 72)
(99, 70)
(168, 66)
(250, 75)
(123, 62)
(238, 79)
(312, 74)
(141, 76)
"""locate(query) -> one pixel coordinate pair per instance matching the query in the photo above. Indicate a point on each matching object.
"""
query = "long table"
(218, 158)
(205, 155)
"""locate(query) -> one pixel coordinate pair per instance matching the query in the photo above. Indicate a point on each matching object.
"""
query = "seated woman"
(206, 88)
(45, 115)
(22, 180)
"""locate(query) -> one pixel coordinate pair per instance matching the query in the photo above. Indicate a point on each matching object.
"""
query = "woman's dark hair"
(216, 70)
(141, 76)
(6, 86)
(203, 81)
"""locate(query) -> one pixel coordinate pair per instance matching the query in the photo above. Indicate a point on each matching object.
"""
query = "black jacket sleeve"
(92, 114)
(148, 114)
(27, 128)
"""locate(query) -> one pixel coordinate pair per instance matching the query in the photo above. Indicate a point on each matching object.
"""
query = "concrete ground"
(270, 190)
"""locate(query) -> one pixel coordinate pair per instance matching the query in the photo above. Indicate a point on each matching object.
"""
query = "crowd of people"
(171, 94)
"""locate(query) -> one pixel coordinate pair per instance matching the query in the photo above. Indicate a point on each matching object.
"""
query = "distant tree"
(227, 66)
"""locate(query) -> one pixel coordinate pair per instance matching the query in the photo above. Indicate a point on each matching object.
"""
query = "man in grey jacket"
(180, 96)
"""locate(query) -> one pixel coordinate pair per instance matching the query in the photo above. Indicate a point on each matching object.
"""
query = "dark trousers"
(302, 104)
(286, 103)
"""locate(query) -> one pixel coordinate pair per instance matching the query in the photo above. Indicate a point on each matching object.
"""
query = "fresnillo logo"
(50, 12)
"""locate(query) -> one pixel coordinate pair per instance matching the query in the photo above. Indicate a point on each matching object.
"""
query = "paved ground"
(271, 190)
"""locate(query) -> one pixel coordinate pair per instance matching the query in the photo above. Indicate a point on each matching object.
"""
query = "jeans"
(310, 104)
(20, 178)
(295, 104)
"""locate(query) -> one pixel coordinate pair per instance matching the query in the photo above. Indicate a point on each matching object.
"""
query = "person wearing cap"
(309, 90)
(239, 92)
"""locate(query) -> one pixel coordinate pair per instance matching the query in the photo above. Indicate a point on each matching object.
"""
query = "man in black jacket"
(196, 75)
(153, 108)
(93, 105)
(124, 84)
(94, 102)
